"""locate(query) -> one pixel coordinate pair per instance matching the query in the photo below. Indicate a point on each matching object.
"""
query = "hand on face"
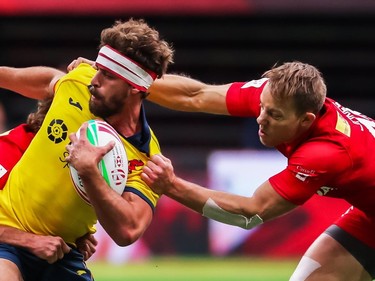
(158, 174)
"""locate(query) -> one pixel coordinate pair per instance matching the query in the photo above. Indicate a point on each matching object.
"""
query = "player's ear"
(307, 119)
(134, 91)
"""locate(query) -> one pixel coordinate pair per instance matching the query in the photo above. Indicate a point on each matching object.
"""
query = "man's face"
(108, 94)
(278, 122)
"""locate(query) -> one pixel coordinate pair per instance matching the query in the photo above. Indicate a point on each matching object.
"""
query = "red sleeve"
(312, 167)
(12, 146)
(243, 99)
(288, 186)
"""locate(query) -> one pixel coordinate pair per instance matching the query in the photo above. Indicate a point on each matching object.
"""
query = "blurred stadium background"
(216, 42)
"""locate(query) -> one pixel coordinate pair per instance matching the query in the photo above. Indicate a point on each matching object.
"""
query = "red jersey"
(334, 158)
(13, 144)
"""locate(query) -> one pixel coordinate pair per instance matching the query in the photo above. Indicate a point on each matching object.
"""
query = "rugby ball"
(113, 166)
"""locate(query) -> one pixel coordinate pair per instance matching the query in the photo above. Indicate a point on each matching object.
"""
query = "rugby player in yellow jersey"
(39, 196)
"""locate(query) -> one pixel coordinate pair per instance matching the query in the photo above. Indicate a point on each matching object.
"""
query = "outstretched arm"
(35, 82)
(265, 204)
(181, 93)
(186, 94)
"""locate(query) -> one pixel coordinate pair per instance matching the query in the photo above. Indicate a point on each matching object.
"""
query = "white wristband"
(213, 211)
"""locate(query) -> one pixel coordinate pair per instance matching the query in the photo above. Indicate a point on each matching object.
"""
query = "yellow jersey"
(39, 196)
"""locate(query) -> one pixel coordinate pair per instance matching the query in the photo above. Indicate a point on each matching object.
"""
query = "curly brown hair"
(35, 119)
(139, 42)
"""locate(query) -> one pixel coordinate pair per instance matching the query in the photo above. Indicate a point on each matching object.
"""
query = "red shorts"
(364, 254)
(358, 224)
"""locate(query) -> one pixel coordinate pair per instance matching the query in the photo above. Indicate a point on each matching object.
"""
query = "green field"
(200, 269)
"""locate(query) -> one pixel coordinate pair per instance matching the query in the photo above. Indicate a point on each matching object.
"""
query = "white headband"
(125, 68)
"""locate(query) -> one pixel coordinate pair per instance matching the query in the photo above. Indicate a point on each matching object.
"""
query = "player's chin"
(267, 142)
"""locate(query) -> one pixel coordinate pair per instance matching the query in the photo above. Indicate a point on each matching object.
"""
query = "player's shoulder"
(17, 134)
(257, 83)
(322, 154)
(154, 144)
(82, 73)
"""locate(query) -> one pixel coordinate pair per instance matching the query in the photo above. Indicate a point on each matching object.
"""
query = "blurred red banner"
(139, 7)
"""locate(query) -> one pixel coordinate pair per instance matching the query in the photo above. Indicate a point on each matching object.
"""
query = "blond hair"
(301, 82)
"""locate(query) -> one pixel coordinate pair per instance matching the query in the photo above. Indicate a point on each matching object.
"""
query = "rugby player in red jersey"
(330, 152)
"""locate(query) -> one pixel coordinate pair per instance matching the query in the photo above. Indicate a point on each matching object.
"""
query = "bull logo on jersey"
(133, 164)
(57, 131)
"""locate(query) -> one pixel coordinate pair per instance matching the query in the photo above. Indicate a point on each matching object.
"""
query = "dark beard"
(105, 110)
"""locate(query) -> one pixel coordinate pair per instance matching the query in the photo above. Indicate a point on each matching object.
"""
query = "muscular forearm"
(265, 201)
(189, 194)
(106, 204)
(195, 197)
(264, 204)
(32, 82)
(186, 94)
(124, 217)
(49, 248)
(15, 237)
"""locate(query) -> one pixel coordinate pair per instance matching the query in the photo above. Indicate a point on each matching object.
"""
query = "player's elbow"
(126, 237)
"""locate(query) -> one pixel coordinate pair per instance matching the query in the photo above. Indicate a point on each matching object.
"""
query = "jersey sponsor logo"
(3, 171)
(133, 164)
(342, 125)
(63, 157)
(57, 131)
(255, 83)
(75, 103)
(303, 174)
(81, 272)
(324, 190)
(357, 118)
